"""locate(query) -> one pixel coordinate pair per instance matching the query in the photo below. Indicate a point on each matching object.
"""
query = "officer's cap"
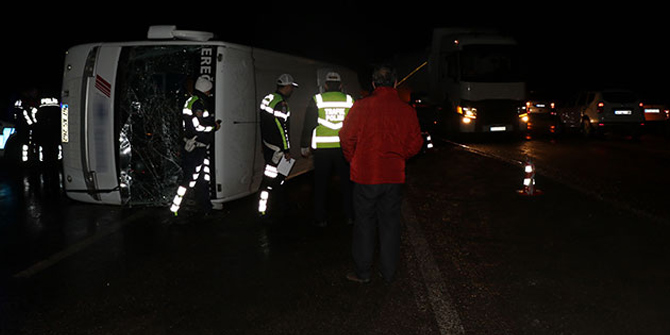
(333, 76)
(286, 79)
(203, 84)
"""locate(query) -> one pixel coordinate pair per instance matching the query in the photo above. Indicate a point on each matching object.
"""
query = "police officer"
(274, 116)
(199, 127)
(25, 110)
(323, 119)
(47, 137)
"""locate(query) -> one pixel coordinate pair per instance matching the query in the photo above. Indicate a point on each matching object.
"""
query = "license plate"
(64, 116)
(623, 112)
(502, 128)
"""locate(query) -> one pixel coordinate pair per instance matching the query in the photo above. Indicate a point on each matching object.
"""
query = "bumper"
(476, 126)
(490, 116)
(628, 127)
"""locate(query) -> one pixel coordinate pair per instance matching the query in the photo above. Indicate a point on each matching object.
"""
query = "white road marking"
(446, 316)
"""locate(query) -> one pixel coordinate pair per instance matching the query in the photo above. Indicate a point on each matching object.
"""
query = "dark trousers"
(271, 192)
(377, 208)
(325, 162)
(199, 194)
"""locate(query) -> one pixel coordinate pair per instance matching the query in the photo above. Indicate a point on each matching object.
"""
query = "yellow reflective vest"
(332, 109)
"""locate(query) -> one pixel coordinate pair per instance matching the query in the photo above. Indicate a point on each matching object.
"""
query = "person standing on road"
(274, 116)
(378, 136)
(199, 127)
(323, 121)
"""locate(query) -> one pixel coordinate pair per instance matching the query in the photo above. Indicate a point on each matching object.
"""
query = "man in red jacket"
(378, 135)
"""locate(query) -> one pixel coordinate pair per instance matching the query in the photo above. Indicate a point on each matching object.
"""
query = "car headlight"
(468, 112)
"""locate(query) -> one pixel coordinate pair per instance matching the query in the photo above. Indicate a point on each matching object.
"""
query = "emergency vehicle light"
(4, 136)
(171, 32)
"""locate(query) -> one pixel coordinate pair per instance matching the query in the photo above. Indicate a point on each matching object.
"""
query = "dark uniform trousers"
(199, 193)
(272, 196)
(377, 208)
(325, 160)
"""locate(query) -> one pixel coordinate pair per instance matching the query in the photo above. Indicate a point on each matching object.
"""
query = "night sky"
(566, 46)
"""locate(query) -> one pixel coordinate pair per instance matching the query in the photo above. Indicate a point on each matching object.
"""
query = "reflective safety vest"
(268, 105)
(187, 112)
(29, 113)
(332, 109)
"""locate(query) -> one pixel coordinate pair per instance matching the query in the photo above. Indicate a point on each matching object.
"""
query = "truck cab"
(476, 76)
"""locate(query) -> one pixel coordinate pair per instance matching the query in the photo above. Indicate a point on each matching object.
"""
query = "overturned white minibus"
(121, 114)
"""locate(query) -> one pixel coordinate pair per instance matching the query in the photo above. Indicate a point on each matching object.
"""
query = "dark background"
(567, 46)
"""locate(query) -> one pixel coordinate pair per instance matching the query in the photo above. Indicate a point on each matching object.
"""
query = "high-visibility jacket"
(201, 126)
(29, 113)
(275, 115)
(332, 107)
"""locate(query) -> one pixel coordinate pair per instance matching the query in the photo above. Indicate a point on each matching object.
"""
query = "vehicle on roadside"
(599, 112)
(471, 77)
(655, 112)
(541, 117)
(121, 114)
(656, 117)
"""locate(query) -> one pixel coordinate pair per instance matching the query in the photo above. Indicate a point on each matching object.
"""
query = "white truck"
(121, 114)
(475, 78)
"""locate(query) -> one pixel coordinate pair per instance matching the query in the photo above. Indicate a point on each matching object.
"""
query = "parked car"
(541, 117)
(655, 112)
(597, 112)
(656, 117)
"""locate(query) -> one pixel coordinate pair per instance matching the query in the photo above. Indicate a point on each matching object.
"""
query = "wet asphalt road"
(477, 258)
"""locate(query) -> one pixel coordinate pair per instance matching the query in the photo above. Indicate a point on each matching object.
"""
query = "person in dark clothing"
(199, 127)
(274, 116)
(323, 119)
(380, 133)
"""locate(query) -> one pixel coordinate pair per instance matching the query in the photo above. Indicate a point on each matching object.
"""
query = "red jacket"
(379, 134)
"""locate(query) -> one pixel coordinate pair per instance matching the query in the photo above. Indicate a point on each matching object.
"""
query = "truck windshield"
(153, 82)
(490, 63)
